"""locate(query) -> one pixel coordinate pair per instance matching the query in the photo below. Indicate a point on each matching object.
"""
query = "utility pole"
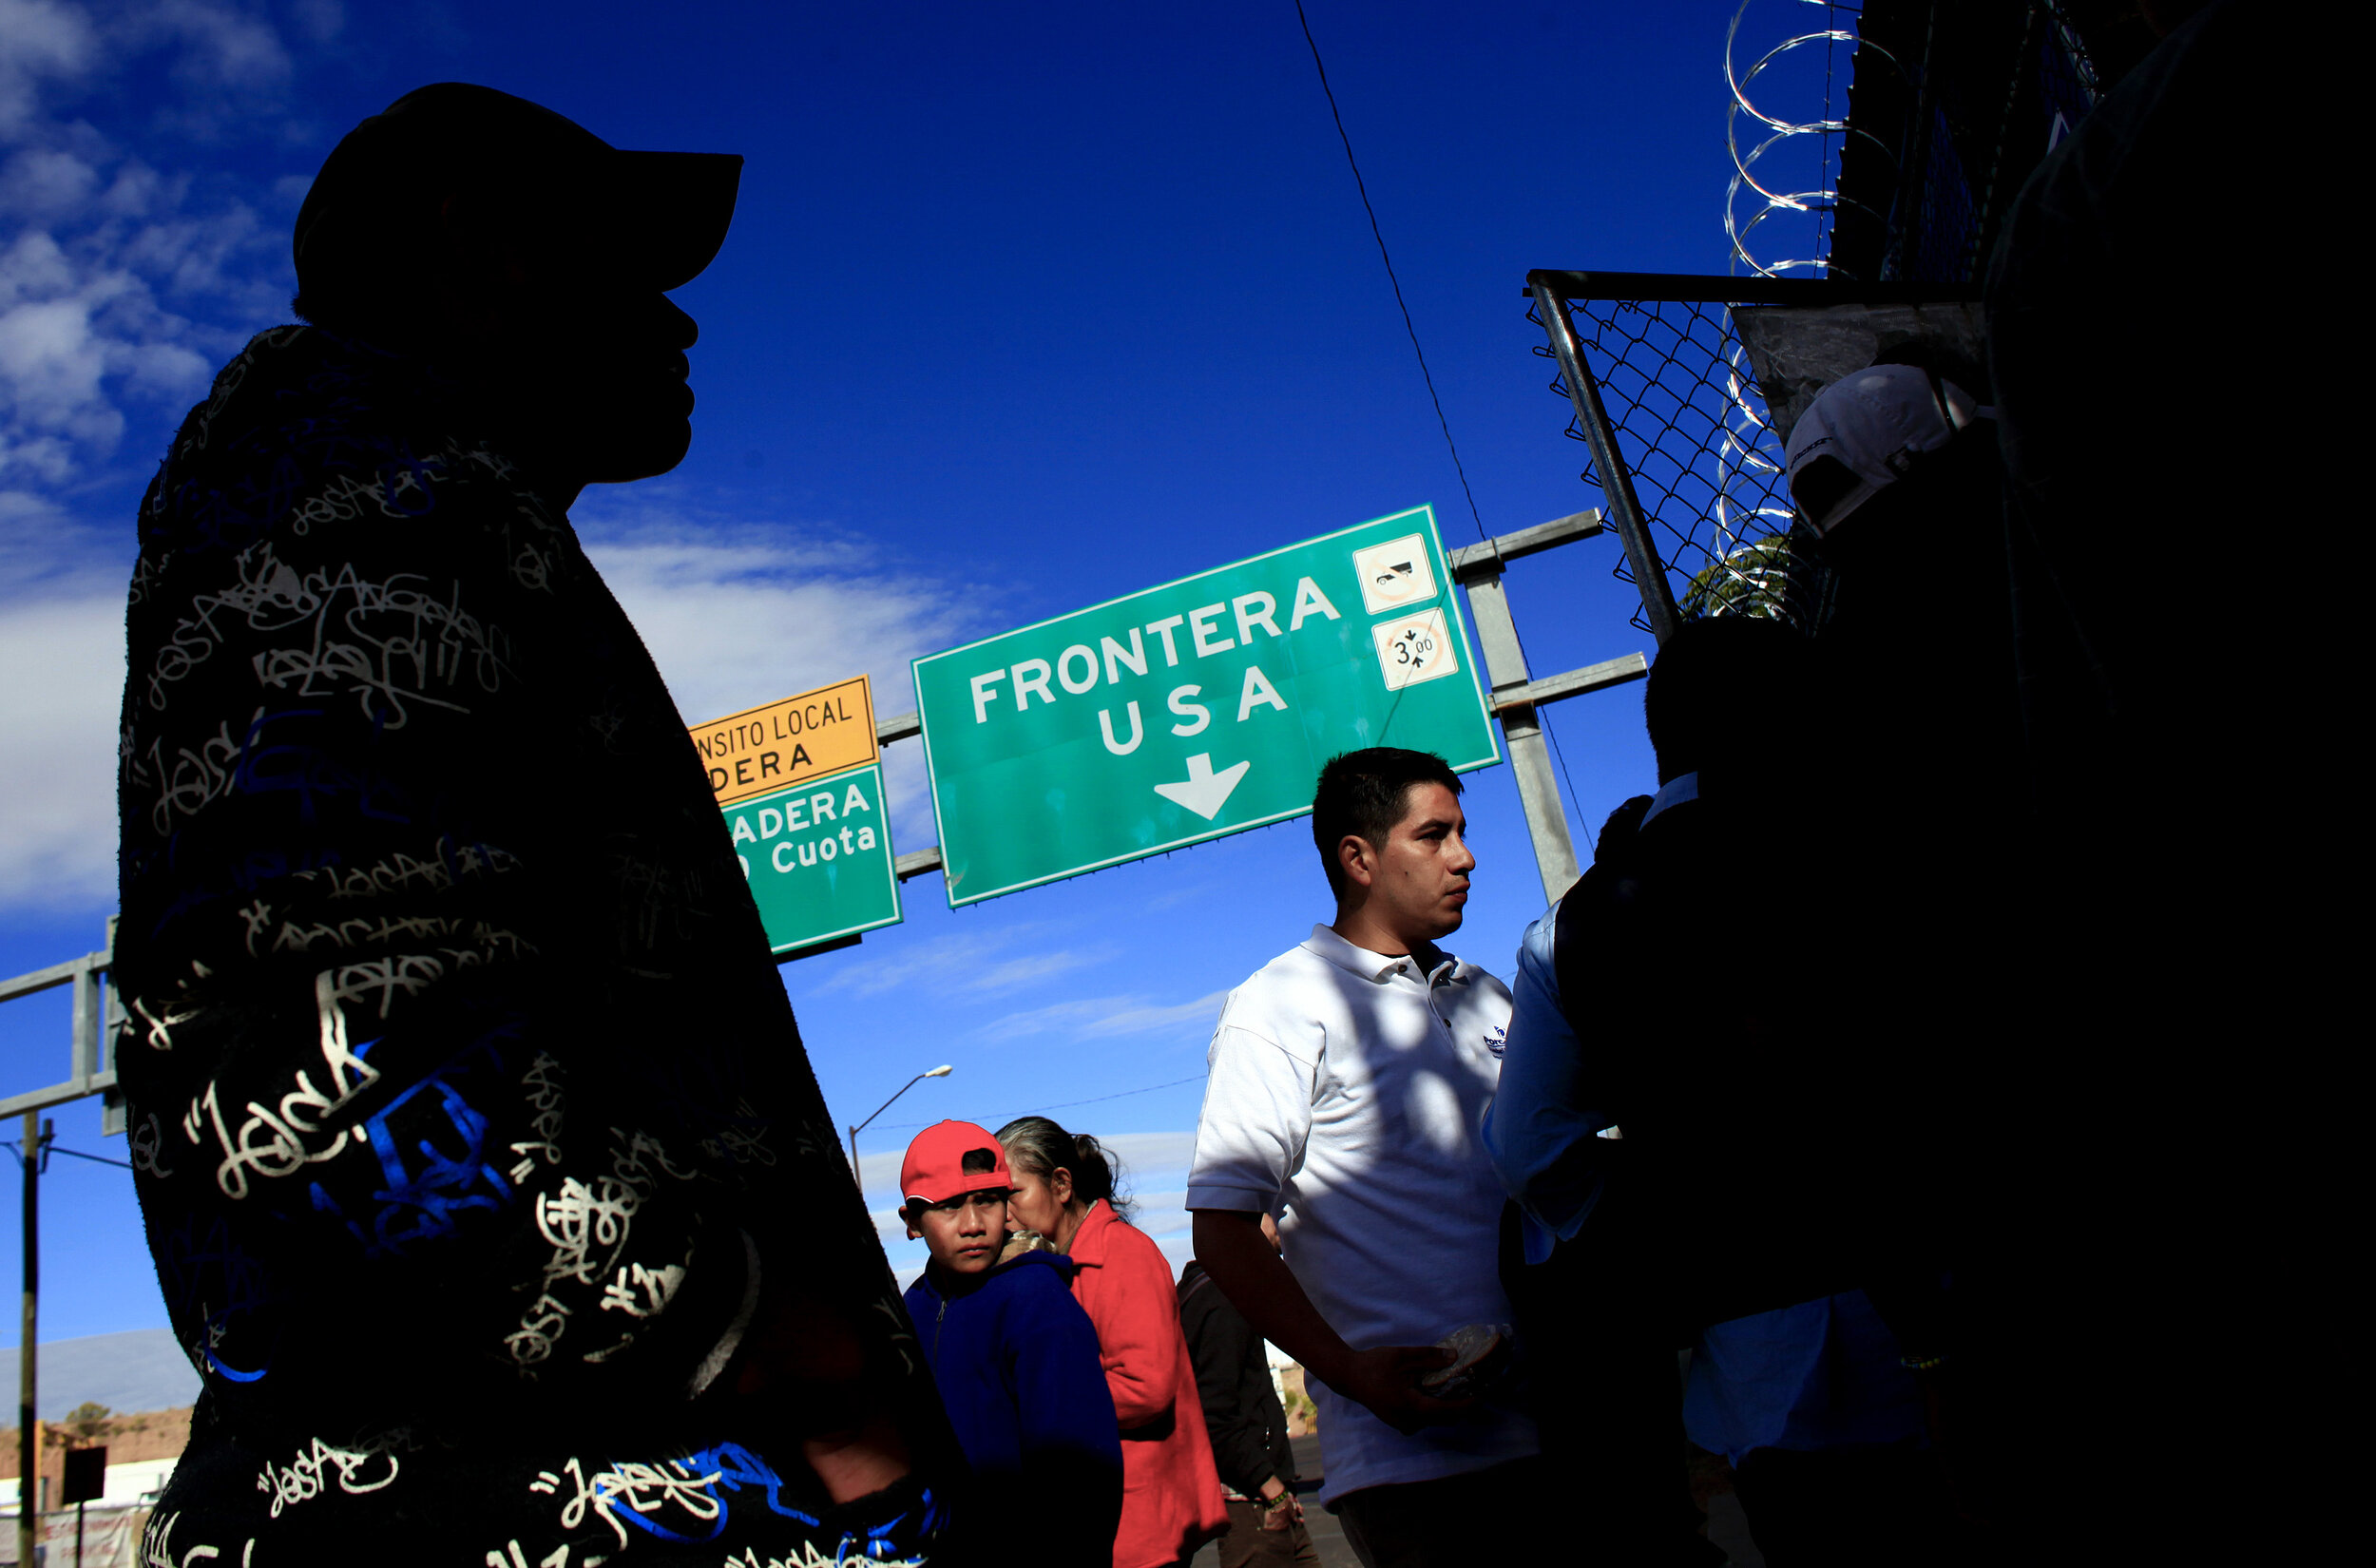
(1517, 694)
(28, 1425)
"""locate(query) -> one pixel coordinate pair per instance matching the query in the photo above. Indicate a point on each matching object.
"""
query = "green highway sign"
(1195, 709)
(818, 858)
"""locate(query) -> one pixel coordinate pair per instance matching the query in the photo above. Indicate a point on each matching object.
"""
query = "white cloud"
(39, 42)
(1107, 1017)
(220, 46)
(120, 289)
(982, 962)
(739, 614)
(65, 661)
(736, 613)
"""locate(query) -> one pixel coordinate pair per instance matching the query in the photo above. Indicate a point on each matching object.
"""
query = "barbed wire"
(1786, 135)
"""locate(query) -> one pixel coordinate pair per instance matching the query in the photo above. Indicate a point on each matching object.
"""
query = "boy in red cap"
(1015, 1356)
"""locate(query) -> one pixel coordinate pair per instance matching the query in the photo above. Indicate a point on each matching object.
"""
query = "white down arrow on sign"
(1205, 792)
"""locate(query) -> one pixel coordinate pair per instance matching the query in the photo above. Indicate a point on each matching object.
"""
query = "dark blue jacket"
(1017, 1362)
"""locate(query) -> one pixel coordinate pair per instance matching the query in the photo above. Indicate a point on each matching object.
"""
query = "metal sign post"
(1517, 694)
(1195, 709)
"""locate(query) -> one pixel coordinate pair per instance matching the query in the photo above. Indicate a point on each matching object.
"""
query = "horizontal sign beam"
(1471, 562)
(1592, 678)
(54, 976)
(57, 1094)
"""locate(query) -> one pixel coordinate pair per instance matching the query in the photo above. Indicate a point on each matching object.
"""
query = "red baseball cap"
(934, 1169)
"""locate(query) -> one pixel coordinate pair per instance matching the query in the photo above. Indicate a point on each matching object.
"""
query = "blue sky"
(1023, 308)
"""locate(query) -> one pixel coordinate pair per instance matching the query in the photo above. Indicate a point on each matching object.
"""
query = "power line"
(1379, 235)
(61, 1149)
(1066, 1105)
(1544, 720)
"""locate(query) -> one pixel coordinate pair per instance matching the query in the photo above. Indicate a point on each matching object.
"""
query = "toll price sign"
(1195, 709)
(818, 858)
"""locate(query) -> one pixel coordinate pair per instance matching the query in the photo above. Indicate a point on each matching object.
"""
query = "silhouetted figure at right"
(1700, 1114)
(2176, 438)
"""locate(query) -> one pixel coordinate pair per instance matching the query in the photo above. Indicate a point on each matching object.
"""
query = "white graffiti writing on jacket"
(389, 643)
(344, 496)
(581, 1220)
(647, 1489)
(157, 1548)
(308, 1475)
(148, 1147)
(557, 1557)
(404, 873)
(278, 1142)
(190, 779)
(542, 1084)
(382, 980)
(848, 1557)
(642, 1293)
(160, 1019)
(268, 593)
(362, 931)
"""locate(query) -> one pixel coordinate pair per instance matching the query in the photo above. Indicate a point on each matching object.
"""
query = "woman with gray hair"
(1063, 1189)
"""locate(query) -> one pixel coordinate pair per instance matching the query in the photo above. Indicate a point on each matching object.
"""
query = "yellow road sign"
(766, 748)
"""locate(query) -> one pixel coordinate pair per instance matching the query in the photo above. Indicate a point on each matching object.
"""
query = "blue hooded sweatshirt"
(1017, 1362)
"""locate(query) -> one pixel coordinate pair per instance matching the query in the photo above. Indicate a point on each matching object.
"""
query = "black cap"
(664, 213)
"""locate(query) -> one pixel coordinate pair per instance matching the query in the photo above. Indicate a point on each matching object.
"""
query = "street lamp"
(937, 1072)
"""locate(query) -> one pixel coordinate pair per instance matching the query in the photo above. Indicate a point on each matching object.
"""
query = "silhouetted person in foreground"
(487, 1180)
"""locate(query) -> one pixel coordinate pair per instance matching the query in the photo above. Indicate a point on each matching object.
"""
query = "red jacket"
(1171, 1492)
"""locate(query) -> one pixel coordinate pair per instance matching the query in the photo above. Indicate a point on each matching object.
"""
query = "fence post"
(1616, 480)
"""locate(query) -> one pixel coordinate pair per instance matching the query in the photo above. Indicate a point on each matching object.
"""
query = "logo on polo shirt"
(1497, 1040)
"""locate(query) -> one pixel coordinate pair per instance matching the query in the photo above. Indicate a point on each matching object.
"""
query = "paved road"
(1725, 1527)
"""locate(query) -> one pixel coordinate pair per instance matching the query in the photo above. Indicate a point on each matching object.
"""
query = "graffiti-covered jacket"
(469, 1117)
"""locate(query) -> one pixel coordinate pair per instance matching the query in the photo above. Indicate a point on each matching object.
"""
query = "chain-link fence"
(1684, 412)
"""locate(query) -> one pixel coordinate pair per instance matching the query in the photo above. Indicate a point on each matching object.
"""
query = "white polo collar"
(1380, 967)
(1676, 790)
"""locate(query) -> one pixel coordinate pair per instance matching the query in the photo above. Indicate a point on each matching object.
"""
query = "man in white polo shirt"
(1348, 1078)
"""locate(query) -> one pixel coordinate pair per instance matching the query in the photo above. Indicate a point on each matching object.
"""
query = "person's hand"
(1280, 1509)
(1386, 1382)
